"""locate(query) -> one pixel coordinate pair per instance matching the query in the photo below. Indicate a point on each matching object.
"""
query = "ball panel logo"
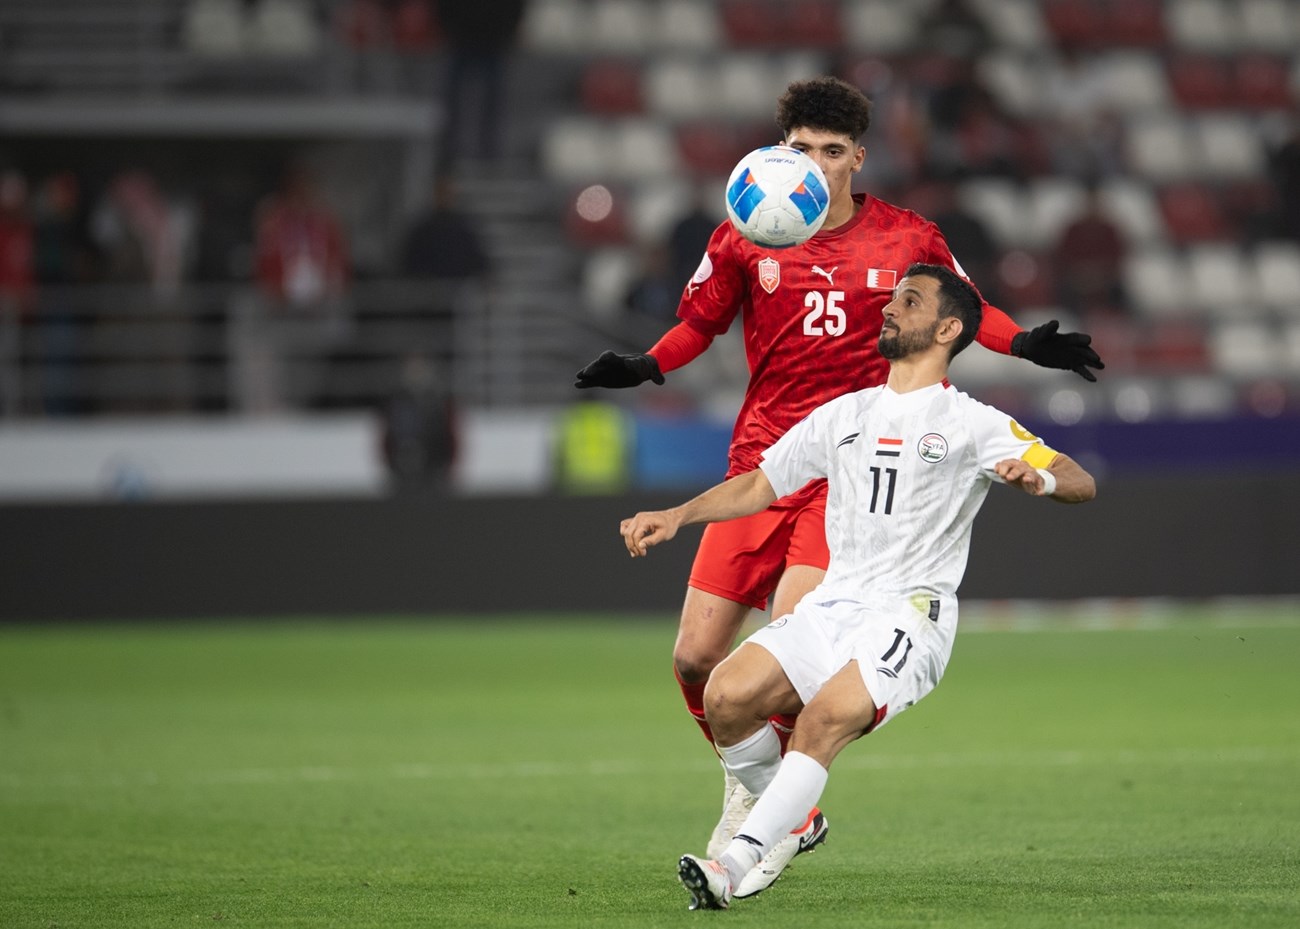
(932, 448)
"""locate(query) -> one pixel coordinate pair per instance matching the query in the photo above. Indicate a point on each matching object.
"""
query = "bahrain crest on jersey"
(769, 274)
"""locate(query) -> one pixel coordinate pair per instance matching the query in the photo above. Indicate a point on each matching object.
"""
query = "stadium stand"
(1174, 109)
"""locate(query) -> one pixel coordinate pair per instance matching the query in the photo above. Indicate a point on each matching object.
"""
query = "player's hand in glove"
(614, 370)
(1072, 351)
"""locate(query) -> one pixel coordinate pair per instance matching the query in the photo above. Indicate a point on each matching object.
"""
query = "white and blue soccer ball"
(777, 197)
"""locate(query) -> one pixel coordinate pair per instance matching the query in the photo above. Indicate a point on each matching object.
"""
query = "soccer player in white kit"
(908, 465)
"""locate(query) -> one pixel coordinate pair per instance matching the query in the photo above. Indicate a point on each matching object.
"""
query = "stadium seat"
(643, 148)
(1204, 397)
(1076, 23)
(747, 84)
(576, 148)
(681, 88)
(556, 26)
(1221, 283)
(1135, 82)
(1053, 203)
(880, 26)
(689, 25)
(1132, 206)
(612, 87)
(707, 148)
(1201, 81)
(1136, 23)
(1261, 82)
(1161, 149)
(1229, 146)
(656, 206)
(214, 28)
(607, 277)
(1210, 25)
(1245, 350)
(1016, 81)
(620, 26)
(1156, 281)
(1270, 24)
(1192, 213)
(284, 29)
(811, 23)
(1172, 346)
(1277, 276)
(1016, 24)
(1291, 349)
(1001, 204)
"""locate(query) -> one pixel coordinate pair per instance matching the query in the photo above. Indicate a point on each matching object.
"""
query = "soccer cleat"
(707, 881)
(736, 804)
(804, 839)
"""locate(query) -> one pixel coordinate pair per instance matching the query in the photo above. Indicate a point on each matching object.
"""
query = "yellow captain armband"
(1039, 456)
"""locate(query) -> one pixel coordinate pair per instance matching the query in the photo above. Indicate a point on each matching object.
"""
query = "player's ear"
(949, 331)
(859, 157)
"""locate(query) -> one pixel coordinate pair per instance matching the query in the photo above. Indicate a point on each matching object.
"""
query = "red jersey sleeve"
(997, 329)
(718, 288)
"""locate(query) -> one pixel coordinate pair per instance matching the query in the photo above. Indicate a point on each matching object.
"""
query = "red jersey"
(812, 314)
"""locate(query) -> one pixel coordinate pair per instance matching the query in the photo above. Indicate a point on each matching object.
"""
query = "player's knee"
(694, 664)
(726, 699)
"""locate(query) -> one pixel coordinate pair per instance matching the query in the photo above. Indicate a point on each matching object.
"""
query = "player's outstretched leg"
(707, 881)
(804, 839)
(736, 804)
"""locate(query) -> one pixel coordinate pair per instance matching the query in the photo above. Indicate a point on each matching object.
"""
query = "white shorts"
(901, 651)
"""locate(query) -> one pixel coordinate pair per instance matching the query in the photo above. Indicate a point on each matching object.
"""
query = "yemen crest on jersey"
(769, 274)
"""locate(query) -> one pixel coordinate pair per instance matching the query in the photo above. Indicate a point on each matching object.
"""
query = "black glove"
(614, 370)
(1072, 351)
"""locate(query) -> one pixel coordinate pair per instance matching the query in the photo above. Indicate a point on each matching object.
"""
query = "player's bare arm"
(742, 495)
(1073, 483)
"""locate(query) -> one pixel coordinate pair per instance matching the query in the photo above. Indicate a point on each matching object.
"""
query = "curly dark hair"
(825, 103)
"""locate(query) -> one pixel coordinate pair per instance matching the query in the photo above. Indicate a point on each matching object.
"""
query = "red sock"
(694, 694)
(784, 726)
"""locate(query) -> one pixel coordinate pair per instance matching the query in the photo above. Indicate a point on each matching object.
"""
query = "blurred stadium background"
(251, 249)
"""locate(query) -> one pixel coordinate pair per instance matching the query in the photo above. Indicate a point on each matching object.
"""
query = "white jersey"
(907, 474)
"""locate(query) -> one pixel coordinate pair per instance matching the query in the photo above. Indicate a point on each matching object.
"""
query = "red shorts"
(742, 559)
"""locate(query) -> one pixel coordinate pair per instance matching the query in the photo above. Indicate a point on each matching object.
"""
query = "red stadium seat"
(1135, 23)
(1192, 213)
(612, 88)
(1074, 22)
(1201, 81)
(1261, 82)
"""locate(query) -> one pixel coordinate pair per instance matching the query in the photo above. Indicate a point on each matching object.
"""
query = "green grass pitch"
(541, 772)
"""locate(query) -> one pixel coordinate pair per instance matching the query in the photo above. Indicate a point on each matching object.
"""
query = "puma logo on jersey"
(826, 274)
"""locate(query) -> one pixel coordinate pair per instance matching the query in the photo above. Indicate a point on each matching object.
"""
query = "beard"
(894, 345)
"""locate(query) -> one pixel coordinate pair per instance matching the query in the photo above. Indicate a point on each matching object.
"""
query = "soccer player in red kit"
(811, 316)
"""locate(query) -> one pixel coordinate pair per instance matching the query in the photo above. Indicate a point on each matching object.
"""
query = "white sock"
(782, 808)
(755, 760)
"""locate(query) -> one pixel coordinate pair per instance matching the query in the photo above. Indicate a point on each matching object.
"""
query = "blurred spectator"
(17, 280)
(968, 237)
(144, 237)
(445, 244)
(480, 35)
(64, 255)
(301, 252)
(1089, 259)
(652, 299)
(688, 239)
(419, 428)
(1285, 170)
(17, 245)
(284, 339)
(954, 29)
(1087, 135)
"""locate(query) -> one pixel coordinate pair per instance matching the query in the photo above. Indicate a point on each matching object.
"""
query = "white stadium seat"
(1273, 25)
(680, 88)
(1131, 205)
(1002, 205)
(1053, 203)
(214, 28)
(1206, 25)
(1222, 285)
(1230, 146)
(643, 149)
(657, 206)
(879, 26)
(1135, 82)
(1156, 281)
(688, 25)
(577, 148)
(1245, 350)
(1162, 149)
(556, 25)
(1015, 23)
(620, 26)
(1277, 276)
